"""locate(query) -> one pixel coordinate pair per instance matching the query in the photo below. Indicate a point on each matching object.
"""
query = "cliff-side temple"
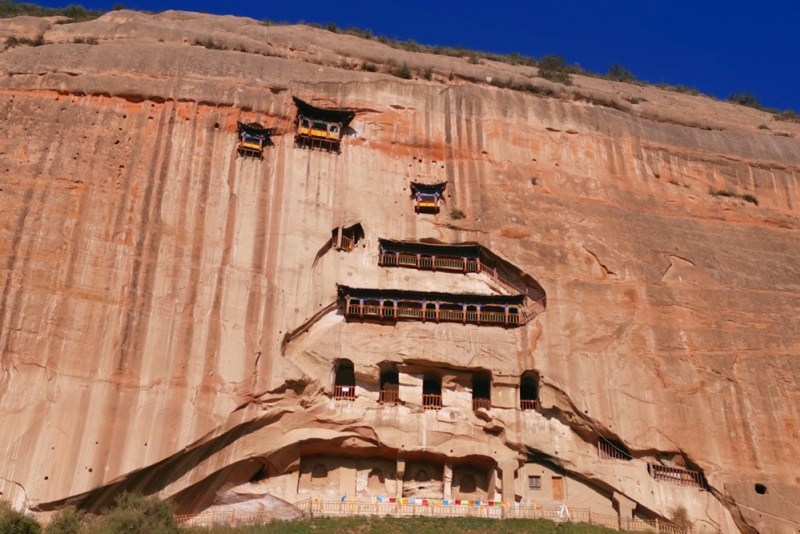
(428, 198)
(481, 294)
(253, 137)
(320, 127)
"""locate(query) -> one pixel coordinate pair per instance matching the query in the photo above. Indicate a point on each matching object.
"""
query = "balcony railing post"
(437, 312)
(361, 309)
(424, 303)
(464, 313)
(433, 263)
(395, 310)
(418, 261)
(478, 315)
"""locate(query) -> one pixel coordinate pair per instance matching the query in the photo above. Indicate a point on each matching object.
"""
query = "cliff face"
(169, 318)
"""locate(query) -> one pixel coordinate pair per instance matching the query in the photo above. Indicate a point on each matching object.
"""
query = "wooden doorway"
(558, 489)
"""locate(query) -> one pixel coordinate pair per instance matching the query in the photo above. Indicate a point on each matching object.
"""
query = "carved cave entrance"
(529, 391)
(482, 390)
(432, 392)
(344, 385)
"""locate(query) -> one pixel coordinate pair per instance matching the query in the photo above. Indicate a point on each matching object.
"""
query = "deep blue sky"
(718, 46)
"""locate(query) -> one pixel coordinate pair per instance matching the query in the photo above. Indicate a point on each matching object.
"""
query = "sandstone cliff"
(169, 318)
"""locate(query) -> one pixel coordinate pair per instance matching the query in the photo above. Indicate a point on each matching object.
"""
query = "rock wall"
(168, 317)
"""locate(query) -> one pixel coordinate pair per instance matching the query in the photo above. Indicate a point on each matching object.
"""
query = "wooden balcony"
(606, 449)
(390, 394)
(675, 475)
(344, 393)
(430, 263)
(529, 404)
(486, 404)
(431, 402)
(394, 313)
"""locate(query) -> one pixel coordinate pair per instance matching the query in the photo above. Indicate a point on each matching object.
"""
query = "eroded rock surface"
(169, 318)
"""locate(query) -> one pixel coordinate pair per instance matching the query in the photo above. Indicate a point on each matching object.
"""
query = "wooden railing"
(486, 404)
(529, 404)
(344, 393)
(433, 263)
(676, 475)
(390, 395)
(393, 313)
(528, 311)
(347, 243)
(433, 508)
(431, 402)
(606, 449)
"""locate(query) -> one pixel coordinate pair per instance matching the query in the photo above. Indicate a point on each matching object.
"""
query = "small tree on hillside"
(618, 73)
(555, 69)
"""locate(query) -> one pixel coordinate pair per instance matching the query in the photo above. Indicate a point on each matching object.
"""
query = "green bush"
(555, 69)
(11, 42)
(210, 44)
(136, 514)
(402, 72)
(723, 193)
(618, 73)
(65, 521)
(787, 115)
(745, 99)
(9, 8)
(369, 67)
(14, 522)
(427, 74)
(457, 214)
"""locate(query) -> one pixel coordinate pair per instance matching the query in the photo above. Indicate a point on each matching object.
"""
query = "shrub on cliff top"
(555, 69)
(9, 8)
(618, 73)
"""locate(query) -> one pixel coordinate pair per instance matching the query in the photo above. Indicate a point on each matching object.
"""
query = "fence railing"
(486, 404)
(675, 475)
(529, 404)
(529, 310)
(344, 393)
(606, 449)
(431, 402)
(347, 243)
(392, 312)
(429, 508)
(390, 395)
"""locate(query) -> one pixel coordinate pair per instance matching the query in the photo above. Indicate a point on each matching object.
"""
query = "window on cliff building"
(390, 386)
(344, 385)
(349, 238)
(529, 391)
(319, 471)
(481, 390)
(432, 392)
(535, 483)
